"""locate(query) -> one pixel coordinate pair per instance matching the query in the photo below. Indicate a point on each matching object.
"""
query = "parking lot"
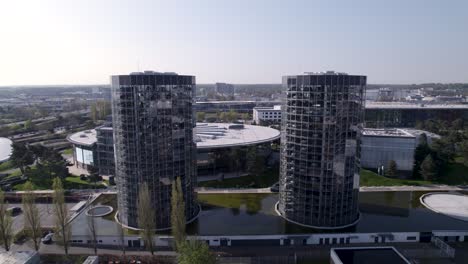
(46, 212)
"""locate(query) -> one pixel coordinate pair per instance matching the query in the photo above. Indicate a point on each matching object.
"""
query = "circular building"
(219, 144)
(225, 135)
(84, 148)
(95, 147)
(5, 149)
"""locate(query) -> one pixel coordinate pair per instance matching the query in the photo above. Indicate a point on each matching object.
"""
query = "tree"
(55, 164)
(391, 169)
(420, 153)
(428, 169)
(443, 152)
(28, 125)
(32, 217)
(61, 214)
(146, 217)
(121, 234)
(178, 221)
(21, 156)
(93, 232)
(6, 222)
(457, 124)
(195, 252)
(464, 152)
(201, 116)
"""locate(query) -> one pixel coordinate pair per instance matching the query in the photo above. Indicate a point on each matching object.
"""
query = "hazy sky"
(237, 41)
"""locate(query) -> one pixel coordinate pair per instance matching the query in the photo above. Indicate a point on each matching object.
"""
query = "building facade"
(153, 137)
(267, 114)
(319, 170)
(380, 146)
(105, 150)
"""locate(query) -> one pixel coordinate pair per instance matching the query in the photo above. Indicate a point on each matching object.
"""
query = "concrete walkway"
(218, 191)
(412, 188)
(430, 188)
(56, 249)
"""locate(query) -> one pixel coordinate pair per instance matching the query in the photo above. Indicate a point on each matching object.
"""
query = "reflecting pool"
(249, 214)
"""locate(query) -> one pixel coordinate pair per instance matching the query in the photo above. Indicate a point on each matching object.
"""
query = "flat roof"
(386, 132)
(5, 149)
(207, 135)
(397, 105)
(221, 135)
(397, 132)
(363, 255)
(86, 137)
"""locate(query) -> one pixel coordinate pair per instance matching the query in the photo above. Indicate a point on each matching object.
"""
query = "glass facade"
(153, 141)
(377, 151)
(321, 123)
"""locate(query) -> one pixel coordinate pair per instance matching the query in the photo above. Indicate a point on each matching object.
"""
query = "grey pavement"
(56, 249)
(46, 212)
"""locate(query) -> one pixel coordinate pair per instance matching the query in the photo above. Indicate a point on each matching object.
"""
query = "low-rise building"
(267, 114)
(380, 146)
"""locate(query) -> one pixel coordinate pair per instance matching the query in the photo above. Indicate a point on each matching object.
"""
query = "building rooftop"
(220, 135)
(5, 149)
(399, 105)
(326, 73)
(386, 132)
(359, 255)
(268, 108)
(397, 132)
(207, 135)
(86, 138)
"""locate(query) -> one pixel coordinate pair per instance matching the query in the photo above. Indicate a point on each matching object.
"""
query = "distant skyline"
(51, 42)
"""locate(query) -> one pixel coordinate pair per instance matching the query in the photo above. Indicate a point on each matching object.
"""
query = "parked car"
(14, 210)
(47, 239)
(275, 187)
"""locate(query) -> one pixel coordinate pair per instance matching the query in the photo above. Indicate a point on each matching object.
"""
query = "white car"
(47, 239)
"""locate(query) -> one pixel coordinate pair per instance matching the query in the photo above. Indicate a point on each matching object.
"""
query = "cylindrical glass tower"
(319, 174)
(153, 141)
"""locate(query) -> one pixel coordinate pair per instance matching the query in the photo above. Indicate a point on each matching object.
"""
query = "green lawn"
(6, 166)
(455, 174)
(68, 151)
(265, 180)
(369, 178)
(43, 182)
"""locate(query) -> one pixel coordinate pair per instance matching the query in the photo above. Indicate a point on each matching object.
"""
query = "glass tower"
(320, 157)
(153, 141)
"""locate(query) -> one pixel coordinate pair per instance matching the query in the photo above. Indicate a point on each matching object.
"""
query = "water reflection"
(240, 214)
(248, 214)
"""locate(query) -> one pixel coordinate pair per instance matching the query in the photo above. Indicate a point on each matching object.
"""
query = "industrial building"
(153, 124)
(380, 146)
(319, 174)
